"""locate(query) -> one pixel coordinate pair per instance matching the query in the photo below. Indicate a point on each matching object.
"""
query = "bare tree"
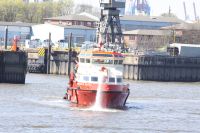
(66, 7)
(83, 8)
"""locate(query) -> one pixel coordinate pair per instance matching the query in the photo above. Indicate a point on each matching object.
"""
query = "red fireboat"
(98, 75)
(92, 66)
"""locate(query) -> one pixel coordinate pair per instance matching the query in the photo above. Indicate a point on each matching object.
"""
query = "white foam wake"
(98, 101)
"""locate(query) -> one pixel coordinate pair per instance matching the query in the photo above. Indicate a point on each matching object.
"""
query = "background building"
(22, 30)
(61, 32)
(147, 22)
(83, 26)
(130, 22)
(74, 19)
(145, 40)
(188, 33)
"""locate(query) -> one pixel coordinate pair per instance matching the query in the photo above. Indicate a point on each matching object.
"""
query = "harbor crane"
(109, 27)
(134, 7)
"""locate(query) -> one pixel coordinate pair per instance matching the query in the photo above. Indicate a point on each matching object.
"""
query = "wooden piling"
(1, 67)
(49, 55)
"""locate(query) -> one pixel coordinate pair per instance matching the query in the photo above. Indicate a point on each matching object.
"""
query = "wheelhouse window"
(108, 61)
(102, 61)
(103, 55)
(112, 80)
(87, 60)
(86, 78)
(118, 61)
(94, 79)
(97, 61)
(119, 80)
(82, 60)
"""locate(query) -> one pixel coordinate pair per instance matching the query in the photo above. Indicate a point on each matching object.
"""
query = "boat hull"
(87, 98)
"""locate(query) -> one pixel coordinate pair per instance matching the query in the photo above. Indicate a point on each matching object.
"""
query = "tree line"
(17, 10)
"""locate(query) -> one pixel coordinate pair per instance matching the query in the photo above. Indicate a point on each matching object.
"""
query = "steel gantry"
(109, 27)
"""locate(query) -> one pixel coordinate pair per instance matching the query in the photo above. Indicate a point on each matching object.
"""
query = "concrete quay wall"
(162, 68)
(58, 61)
(152, 68)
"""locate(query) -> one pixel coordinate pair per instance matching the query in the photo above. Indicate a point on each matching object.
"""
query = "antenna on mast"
(170, 10)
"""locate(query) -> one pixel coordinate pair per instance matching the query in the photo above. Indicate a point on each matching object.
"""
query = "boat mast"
(109, 28)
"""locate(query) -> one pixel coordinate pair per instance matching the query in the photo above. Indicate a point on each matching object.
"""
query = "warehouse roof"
(148, 32)
(75, 27)
(92, 18)
(21, 24)
(73, 17)
(184, 26)
(151, 18)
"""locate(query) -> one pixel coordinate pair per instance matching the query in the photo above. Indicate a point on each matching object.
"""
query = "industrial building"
(82, 26)
(187, 33)
(22, 30)
(73, 19)
(147, 39)
(61, 32)
(128, 22)
(147, 22)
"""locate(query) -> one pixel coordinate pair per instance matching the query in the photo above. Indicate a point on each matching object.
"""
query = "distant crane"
(134, 7)
(185, 11)
(196, 18)
(195, 12)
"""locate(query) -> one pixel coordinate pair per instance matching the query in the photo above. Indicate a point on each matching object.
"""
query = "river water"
(153, 107)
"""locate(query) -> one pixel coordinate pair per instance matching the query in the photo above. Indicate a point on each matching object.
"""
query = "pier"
(144, 67)
(58, 61)
(162, 68)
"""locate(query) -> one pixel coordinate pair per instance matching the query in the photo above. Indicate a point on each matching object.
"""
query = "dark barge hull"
(13, 67)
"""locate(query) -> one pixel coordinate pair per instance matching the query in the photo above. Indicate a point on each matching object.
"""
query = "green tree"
(17, 10)
(9, 9)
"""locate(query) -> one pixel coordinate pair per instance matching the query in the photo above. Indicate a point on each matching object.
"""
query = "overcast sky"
(160, 6)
